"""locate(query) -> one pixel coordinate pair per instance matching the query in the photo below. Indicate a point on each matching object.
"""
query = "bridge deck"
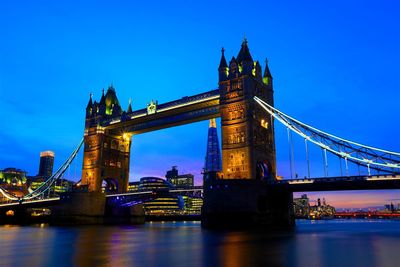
(185, 110)
(32, 203)
(343, 183)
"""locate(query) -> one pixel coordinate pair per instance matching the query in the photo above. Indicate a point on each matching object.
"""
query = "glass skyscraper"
(213, 156)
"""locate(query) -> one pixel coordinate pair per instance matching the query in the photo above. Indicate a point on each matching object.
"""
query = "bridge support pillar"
(117, 214)
(79, 208)
(246, 204)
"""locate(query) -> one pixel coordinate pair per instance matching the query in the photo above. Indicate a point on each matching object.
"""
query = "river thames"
(312, 243)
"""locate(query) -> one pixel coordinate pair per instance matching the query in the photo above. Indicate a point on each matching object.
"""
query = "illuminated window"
(114, 144)
(264, 124)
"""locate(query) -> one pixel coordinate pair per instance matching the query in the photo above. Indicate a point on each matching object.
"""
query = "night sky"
(335, 66)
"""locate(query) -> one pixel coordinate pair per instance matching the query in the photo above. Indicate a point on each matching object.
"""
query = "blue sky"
(335, 66)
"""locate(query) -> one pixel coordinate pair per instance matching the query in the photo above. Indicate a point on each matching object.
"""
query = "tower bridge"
(246, 191)
(248, 147)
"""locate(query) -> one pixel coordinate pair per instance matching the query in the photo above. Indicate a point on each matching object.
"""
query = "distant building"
(183, 180)
(12, 176)
(301, 207)
(46, 163)
(165, 205)
(213, 163)
(192, 205)
(153, 183)
(60, 186)
(14, 181)
(133, 186)
(322, 210)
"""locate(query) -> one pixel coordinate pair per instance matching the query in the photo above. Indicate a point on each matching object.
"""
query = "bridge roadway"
(363, 182)
(295, 185)
(123, 197)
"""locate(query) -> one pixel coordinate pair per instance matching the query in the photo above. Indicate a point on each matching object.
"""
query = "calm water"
(322, 243)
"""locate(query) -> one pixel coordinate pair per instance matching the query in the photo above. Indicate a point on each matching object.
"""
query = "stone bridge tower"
(106, 155)
(248, 145)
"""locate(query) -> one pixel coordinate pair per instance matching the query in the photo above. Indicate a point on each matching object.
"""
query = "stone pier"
(92, 208)
(239, 203)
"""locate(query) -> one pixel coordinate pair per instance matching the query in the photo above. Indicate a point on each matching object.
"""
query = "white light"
(301, 181)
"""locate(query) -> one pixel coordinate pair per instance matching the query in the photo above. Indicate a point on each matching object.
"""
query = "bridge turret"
(112, 106)
(233, 69)
(267, 78)
(223, 69)
(257, 72)
(102, 105)
(89, 108)
(129, 109)
(244, 59)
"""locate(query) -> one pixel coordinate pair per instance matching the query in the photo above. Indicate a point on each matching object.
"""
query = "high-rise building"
(46, 163)
(183, 180)
(213, 156)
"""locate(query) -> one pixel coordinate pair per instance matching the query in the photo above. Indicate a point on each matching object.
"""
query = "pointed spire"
(222, 63)
(223, 69)
(212, 124)
(267, 78)
(267, 73)
(111, 87)
(244, 53)
(102, 98)
(129, 110)
(90, 103)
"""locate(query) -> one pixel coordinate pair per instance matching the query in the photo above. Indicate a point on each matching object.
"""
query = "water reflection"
(323, 243)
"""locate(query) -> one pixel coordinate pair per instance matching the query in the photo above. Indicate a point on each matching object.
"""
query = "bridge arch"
(263, 170)
(109, 185)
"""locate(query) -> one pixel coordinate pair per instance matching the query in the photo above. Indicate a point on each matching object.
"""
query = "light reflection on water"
(319, 243)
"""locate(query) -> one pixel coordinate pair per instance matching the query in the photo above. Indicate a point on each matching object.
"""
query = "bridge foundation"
(246, 204)
(77, 208)
(117, 214)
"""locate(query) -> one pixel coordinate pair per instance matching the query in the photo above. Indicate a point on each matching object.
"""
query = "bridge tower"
(248, 145)
(106, 156)
(244, 196)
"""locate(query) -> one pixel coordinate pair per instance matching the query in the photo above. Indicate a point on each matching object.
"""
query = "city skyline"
(45, 81)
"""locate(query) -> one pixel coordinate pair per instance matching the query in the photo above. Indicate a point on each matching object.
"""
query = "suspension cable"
(318, 137)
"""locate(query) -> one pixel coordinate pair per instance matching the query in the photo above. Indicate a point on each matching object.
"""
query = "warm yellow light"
(126, 137)
(10, 213)
(47, 154)
(264, 124)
